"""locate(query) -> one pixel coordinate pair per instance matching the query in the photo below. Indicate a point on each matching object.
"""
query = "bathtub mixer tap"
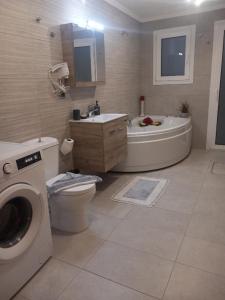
(130, 123)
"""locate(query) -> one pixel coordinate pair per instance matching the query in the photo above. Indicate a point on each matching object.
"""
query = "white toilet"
(69, 207)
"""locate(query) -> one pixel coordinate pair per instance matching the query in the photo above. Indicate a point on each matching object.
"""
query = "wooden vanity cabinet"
(99, 146)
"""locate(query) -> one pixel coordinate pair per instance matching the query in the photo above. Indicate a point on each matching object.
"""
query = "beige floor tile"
(179, 187)
(218, 168)
(216, 155)
(102, 225)
(214, 181)
(19, 297)
(184, 173)
(188, 283)
(50, 281)
(75, 249)
(211, 201)
(118, 184)
(183, 204)
(140, 236)
(189, 175)
(161, 219)
(204, 255)
(209, 228)
(105, 205)
(198, 156)
(180, 197)
(88, 286)
(196, 163)
(138, 270)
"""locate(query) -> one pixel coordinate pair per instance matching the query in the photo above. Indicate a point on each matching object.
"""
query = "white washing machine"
(25, 235)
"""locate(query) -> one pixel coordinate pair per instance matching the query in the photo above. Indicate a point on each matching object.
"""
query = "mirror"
(84, 51)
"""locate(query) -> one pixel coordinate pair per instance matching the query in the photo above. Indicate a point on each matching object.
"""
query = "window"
(173, 59)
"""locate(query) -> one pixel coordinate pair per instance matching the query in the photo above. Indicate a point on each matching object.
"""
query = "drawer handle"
(112, 131)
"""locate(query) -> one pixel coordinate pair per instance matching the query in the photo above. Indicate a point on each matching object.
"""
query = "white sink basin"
(103, 118)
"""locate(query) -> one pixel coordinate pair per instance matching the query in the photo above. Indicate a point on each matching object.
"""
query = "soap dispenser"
(97, 109)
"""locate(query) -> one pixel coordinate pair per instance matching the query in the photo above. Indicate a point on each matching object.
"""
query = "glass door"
(216, 112)
(220, 128)
(21, 213)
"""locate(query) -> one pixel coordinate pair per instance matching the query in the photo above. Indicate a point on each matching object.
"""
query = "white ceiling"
(148, 10)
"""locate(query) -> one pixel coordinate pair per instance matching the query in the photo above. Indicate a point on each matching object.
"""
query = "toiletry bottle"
(142, 108)
(97, 109)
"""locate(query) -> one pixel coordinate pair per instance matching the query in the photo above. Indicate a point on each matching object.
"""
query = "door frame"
(219, 28)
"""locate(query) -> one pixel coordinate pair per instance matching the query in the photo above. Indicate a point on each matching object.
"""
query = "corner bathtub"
(156, 147)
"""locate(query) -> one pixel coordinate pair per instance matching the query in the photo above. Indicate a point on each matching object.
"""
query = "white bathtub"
(155, 147)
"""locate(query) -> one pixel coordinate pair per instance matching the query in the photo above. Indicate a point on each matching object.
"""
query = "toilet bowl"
(70, 206)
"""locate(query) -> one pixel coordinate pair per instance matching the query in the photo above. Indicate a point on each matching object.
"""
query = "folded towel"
(69, 180)
(148, 121)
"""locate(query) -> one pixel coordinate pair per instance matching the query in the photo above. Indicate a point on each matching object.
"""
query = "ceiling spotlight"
(196, 2)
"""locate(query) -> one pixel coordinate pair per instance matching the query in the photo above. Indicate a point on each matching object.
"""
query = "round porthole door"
(21, 212)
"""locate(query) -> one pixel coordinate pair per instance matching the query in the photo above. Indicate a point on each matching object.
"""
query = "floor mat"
(142, 191)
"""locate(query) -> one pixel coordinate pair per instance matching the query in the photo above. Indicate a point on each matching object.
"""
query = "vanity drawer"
(116, 127)
(86, 130)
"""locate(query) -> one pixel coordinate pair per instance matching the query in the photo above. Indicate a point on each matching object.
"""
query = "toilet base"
(70, 213)
(74, 223)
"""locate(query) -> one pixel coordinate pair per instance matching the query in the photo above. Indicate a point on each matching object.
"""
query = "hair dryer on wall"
(57, 75)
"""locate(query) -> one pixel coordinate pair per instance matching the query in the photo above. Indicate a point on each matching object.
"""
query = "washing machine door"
(21, 213)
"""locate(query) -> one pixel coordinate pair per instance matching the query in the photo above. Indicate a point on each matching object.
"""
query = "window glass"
(173, 52)
(173, 55)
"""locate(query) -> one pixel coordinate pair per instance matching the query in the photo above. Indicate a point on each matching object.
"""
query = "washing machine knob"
(8, 168)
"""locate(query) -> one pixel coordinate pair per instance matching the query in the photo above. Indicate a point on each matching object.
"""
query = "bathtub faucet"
(130, 123)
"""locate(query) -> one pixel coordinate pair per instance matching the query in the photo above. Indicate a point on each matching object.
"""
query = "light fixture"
(92, 24)
(89, 24)
(196, 2)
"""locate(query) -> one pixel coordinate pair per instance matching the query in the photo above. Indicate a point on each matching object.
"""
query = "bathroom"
(173, 249)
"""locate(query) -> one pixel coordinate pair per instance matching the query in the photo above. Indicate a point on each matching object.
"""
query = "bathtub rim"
(187, 124)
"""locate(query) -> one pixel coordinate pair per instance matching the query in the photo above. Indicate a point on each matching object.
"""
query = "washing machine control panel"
(28, 160)
(10, 167)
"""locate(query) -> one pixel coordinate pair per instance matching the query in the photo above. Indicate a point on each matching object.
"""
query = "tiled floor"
(173, 251)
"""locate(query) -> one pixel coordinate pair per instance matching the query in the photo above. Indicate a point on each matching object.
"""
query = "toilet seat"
(74, 189)
(78, 190)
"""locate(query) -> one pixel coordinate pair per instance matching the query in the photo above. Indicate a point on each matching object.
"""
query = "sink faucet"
(91, 110)
(92, 113)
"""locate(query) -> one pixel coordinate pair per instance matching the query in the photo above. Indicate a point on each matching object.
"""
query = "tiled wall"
(165, 99)
(28, 108)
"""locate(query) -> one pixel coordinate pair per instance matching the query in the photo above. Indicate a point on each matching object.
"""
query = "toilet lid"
(78, 190)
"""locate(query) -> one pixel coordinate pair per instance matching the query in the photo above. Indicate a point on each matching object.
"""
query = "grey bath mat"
(142, 191)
